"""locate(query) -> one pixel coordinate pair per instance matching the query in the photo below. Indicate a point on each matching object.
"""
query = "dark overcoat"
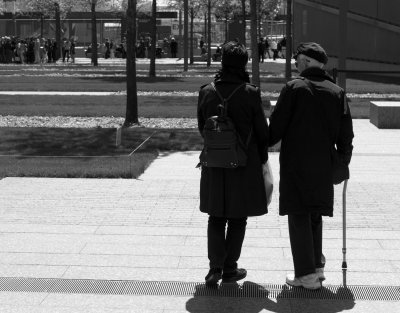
(311, 115)
(239, 192)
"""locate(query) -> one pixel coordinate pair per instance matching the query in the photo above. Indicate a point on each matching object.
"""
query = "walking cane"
(344, 263)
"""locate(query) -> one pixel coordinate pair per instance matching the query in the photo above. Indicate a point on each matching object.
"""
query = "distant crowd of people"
(109, 49)
(266, 46)
(35, 50)
(168, 48)
(40, 50)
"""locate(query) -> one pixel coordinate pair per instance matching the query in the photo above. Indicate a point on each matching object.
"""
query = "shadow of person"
(323, 300)
(233, 298)
(254, 298)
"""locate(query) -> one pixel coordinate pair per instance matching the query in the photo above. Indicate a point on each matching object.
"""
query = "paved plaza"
(149, 232)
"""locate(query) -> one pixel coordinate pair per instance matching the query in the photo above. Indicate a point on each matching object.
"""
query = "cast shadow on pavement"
(254, 298)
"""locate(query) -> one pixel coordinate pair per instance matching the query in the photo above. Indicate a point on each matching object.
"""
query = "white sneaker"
(320, 273)
(310, 281)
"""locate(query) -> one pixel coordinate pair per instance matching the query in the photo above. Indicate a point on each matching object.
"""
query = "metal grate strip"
(175, 288)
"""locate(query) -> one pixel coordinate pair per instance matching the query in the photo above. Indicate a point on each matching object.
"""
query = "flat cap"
(234, 54)
(312, 50)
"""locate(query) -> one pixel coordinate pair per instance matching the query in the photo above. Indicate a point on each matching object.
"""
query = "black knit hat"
(312, 50)
(234, 54)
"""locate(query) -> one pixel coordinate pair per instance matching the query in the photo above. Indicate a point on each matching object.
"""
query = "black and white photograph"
(201, 156)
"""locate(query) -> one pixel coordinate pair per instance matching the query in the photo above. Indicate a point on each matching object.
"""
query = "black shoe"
(236, 275)
(213, 276)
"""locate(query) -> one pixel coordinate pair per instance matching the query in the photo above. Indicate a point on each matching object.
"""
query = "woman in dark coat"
(229, 196)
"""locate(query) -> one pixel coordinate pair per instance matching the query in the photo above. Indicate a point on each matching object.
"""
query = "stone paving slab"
(151, 229)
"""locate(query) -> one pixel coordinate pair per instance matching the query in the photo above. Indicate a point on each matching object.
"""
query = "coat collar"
(229, 79)
(315, 73)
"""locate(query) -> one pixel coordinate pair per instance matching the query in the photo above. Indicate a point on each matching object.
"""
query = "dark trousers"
(224, 248)
(305, 232)
(275, 54)
(65, 54)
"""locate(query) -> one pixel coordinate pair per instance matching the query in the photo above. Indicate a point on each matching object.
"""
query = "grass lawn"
(170, 78)
(76, 167)
(77, 152)
(113, 79)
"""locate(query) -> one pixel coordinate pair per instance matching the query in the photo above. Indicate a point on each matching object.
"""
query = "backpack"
(223, 147)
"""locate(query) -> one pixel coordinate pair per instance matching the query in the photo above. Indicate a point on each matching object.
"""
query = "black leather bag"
(222, 145)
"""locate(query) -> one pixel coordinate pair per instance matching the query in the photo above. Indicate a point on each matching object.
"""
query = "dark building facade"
(373, 30)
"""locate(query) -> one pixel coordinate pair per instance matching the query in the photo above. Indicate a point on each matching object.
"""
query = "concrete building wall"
(373, 29)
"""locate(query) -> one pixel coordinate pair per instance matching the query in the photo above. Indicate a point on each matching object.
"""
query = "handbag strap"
(224, 105)
(225, 100)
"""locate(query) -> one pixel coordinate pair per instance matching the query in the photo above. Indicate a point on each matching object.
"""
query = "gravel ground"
(92, 122)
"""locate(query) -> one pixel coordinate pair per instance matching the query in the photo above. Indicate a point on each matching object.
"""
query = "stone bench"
(385, 114)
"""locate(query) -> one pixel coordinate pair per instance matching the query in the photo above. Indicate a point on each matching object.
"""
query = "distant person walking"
(231, 195)
(274, 48)
(281, 45)
(72, 51)
(267, 47)
(165, 47)
(310, 118)
(107, 44)
(36, 49)
(55, 51)
(112, 49)
(261, 50)
(21, 51)
(66, 48)
(173, 47)
(201, 42)
(49, 48)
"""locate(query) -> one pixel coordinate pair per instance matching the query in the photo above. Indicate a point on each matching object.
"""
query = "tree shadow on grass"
(95, 141)
(58, 141)
(254, 298)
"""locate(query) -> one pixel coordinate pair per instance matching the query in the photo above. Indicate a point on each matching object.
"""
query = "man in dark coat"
(229, 196)
(310, 117)
(174, 47)
(261, 50)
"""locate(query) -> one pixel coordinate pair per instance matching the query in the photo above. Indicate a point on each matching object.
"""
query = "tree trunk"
(244, 21)
(58, 29)
(180, 24)
(152, 72)
(94, 35)
(255, 66)
(209, 35)
(289, 48)
(205, 26)
(191, 34)
(41, 25)
(185, 34)
(226, 28)
(131, 116)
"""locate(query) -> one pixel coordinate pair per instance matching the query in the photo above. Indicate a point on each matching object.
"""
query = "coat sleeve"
(281, 116)
(344, 142)
(261, 131)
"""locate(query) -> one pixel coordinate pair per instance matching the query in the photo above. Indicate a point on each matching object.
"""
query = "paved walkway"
(150, 230)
